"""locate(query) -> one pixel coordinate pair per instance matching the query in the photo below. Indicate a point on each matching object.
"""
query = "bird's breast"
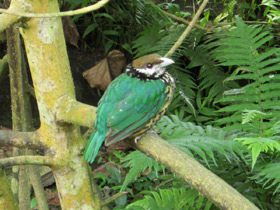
(169, 92)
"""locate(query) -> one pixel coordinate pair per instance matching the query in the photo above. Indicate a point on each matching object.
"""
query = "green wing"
(140, 104)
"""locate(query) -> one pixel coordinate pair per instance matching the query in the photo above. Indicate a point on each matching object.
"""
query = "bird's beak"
(166, 61)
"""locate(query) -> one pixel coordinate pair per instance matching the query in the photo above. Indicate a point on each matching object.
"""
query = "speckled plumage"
(132, 103)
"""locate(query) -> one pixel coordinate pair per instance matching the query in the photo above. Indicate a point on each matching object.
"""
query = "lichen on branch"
(29, 140)
(29, 160)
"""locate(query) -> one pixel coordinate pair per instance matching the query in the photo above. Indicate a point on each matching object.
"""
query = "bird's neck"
(165, 77)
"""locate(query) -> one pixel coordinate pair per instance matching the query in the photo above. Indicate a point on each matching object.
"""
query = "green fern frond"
(172, 199)
(269, 176)
(249, 115)
(137, 162)
(243, 47)
(258, 145)
(206, 143)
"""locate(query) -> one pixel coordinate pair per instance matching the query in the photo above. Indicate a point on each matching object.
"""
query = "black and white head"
(149, 66)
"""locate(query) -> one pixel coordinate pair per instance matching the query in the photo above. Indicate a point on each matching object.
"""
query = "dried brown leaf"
(71, 33)
(116, 62)
(100, 76)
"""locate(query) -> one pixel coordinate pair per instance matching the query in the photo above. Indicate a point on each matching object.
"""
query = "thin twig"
(84, 10)
(28, 160)
(177, 18)
(188, 29)
(112, 198)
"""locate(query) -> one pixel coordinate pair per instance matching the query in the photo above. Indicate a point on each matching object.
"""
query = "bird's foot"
(137, 138)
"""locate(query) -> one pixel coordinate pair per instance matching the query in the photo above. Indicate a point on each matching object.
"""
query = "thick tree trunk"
(49, 66)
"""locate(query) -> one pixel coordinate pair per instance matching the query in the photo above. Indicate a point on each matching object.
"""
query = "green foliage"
(269, 175)
(33, 203)
(115, 25)
(242, 47)
(138, 162)
(200, 142)
(171, 199)
(258, 145)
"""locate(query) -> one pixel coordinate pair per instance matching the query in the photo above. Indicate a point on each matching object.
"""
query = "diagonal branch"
(28, 160)
(188, 29)
(21, 139)
(207, 183)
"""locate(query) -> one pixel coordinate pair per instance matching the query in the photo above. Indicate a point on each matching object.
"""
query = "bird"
(132, 103)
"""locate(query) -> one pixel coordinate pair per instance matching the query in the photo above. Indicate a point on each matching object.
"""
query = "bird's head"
(149, 66)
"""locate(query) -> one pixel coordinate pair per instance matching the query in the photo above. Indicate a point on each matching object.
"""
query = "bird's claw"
(137, 138)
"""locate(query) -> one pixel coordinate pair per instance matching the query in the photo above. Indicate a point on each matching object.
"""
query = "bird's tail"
(94, 143)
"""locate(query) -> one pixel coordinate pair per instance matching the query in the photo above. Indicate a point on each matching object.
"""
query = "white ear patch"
(155, 70)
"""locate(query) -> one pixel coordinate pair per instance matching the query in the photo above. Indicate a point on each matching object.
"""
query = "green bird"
(132, 103)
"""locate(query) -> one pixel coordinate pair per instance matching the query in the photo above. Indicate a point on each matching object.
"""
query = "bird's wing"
(139, 106)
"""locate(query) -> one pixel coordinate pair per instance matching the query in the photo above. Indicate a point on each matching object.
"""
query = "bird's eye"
(149, 65)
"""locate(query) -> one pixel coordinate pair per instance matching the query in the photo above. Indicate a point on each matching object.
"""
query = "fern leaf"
(172, 199)
(258, 145)
(137, 162)
(269, 175)
(205, 143)
(243, 47)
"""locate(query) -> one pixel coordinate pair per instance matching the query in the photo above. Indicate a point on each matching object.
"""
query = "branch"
(112, 198)
(35, 179)
(15, 7)
(28, 160)
(20, 139)
(72, 111)
(208, 184)
(188, 29)
(84, 10)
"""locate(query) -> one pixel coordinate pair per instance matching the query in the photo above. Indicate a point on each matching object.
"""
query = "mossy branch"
(29, 160)
(188, 29)
(208, 184)
(35, 179)
(84, 10)
(71, 111)
(21, 139)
